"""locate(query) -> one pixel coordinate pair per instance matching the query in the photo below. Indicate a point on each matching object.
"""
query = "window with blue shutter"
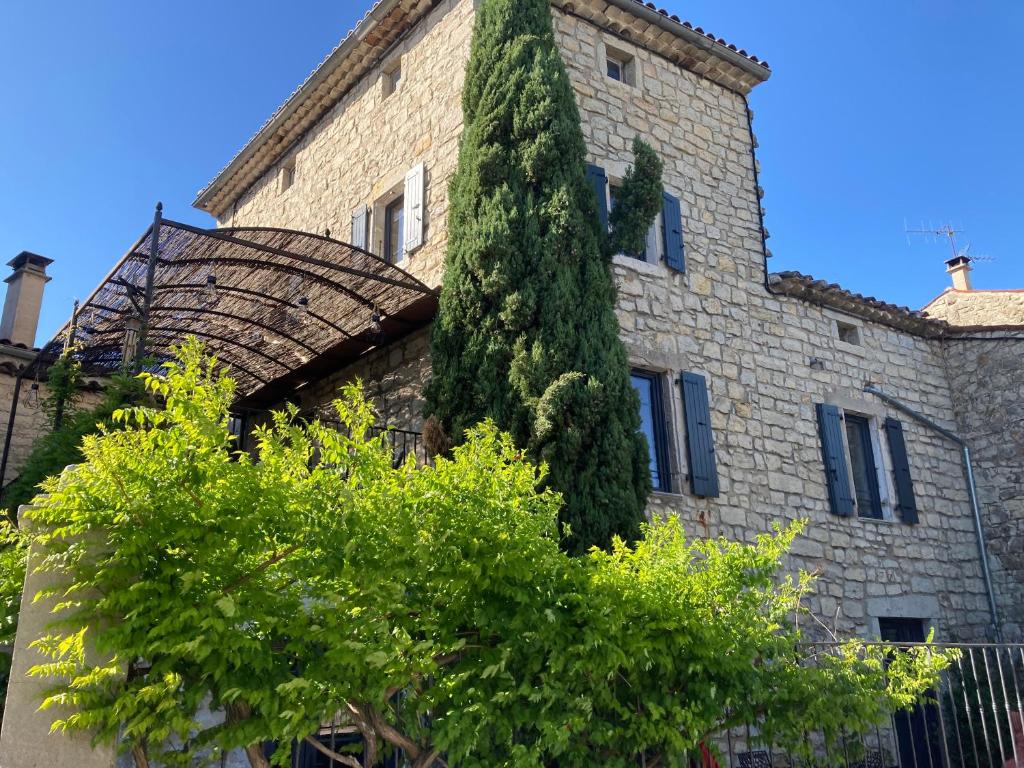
(906, 503)
(672, 230)
(652, 425)
(700, 440)
(833, 453)
(598, 181)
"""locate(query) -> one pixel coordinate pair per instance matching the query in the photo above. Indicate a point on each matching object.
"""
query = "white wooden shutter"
(415, 182)
(652, 255)
(359, 221)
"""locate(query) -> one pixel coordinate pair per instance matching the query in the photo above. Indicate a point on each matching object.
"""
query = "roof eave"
(205, 198)
(652, 16)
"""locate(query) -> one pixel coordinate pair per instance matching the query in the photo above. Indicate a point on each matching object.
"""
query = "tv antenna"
(946, 230)
(950, 233)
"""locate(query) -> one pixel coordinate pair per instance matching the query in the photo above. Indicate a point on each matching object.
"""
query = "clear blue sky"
(877, 112)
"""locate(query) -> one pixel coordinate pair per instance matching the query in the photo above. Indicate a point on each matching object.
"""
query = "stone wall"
(30, 421)
(768, 360)
(987, 382)
(977, 308)
(392, 378)
(757, 351)
(364, 146)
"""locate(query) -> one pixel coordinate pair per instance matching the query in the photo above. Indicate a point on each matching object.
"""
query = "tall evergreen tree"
(526, 333)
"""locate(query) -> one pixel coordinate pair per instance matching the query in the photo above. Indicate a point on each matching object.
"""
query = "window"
(848, 332)
(287, 175)
(394, 231)
(392, 79)
(620, 66)
(616, 69)
(652, 425)
(613, 191)
(863, 467)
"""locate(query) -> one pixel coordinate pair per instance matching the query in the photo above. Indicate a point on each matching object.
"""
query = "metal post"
(972, 493)
(58, 413)
(147, 299)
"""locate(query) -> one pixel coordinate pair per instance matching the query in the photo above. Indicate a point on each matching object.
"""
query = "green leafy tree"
(526, 333)
(63, 446)
(433, 607)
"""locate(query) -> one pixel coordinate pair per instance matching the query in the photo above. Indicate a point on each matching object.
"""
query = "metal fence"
(404, 443)
(973, 720)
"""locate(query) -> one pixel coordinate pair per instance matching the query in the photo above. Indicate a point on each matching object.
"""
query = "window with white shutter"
(415, 188)
(360, 217)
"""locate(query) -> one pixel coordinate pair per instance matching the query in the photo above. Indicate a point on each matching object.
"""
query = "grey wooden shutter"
(598, 180)
(700, 440)
(906, 503)
(830, 426)
(672, 230)
(359, 221)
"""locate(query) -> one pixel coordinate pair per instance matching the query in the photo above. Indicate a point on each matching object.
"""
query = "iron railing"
(404, 443)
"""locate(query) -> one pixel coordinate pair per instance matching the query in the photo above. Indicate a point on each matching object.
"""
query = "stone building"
(366, 147)
(754, 385)
(18, 327)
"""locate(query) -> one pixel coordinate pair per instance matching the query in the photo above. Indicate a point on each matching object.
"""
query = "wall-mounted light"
(210, 291)
(376, 326)
(33, 395)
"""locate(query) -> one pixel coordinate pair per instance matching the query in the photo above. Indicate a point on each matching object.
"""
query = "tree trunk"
(237, 712)
(139, 755)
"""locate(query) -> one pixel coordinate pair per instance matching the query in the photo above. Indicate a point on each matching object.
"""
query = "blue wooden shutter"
(672, 229)
(700, 441)
(830, 426)
(598, 180)
(906, 504)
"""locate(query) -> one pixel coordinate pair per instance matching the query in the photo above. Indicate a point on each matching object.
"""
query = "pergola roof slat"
(314, 304)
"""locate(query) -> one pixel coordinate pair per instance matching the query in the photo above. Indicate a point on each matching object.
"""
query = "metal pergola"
(276, 307)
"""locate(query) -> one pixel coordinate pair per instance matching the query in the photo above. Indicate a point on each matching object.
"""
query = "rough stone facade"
(363, 148)
(768, 359)
(978, 308)
(30, 420)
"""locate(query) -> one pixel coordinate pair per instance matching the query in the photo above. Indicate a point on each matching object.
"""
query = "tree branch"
(335, 756)
(276, 558)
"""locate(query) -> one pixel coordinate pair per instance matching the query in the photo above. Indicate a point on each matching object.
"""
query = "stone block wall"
(757, 351)
(767, 359)
(986, 374)
(978, 308)
(364, 146)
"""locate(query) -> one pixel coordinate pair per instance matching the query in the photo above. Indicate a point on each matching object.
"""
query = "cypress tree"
(527, 333)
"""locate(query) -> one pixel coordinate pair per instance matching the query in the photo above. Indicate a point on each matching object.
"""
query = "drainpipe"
(757, 194)
(972, 493)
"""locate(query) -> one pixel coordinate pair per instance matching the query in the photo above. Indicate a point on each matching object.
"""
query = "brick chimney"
(24, 298)
(960, 270)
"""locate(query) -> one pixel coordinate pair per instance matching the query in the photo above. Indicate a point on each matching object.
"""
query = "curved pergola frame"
(278, 307)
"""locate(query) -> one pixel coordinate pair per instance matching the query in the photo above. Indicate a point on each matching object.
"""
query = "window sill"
(850, 349)
(673, 496)
(644, 267)
(878, 520)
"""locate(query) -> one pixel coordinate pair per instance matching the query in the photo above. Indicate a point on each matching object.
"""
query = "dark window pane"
(862, 467)
(615, 70)
(394, 226)
(652, 426)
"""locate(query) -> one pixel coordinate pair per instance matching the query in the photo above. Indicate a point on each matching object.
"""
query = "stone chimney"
(960, 269)
(24, 298)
